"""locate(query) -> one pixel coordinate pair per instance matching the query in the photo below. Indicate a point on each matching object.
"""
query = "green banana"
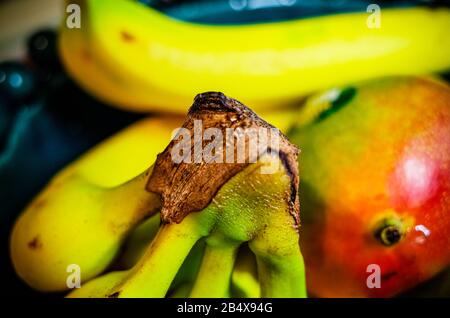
(249, 206)
(277, 251)
(141, 238)
(153, 274)
(137, 242)
(244, 280)
(217, 266)
(139, 59)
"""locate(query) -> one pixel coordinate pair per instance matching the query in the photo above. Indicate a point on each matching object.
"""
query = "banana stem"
(214, 277)
(139, 202)
(161, 262)
(244, 280)
(282, 276)
(281, 270)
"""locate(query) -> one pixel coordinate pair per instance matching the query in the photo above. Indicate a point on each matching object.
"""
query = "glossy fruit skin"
(382, 157)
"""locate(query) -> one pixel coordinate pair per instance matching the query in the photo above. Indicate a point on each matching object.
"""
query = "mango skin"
(384, 156)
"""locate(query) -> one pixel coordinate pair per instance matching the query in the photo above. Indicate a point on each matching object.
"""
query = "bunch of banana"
(84, 214)
(134, 57)
(183, 238)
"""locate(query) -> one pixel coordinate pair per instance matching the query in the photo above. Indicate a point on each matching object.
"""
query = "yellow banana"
(136, 58)
(75, 222)
(84, 214)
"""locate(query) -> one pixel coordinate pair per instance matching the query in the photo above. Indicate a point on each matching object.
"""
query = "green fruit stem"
(214, 277)
(281, 277)
(138, 241)
(244, 280)
(154, 273)
(228, 204)
(130, 201)
(281, 270)
(190, 268)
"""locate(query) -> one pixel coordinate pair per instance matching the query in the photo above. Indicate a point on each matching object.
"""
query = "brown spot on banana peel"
(190, 187)
(35, 243)
(86, 55)
(127, 37)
